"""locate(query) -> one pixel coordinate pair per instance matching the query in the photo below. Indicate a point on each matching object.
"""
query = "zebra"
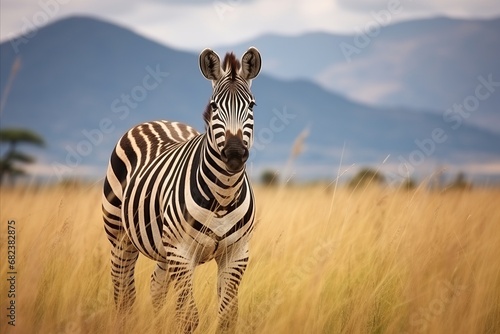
(182, 198)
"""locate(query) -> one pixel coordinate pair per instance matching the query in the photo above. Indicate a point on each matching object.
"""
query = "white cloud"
(458, 8)
(195, 24)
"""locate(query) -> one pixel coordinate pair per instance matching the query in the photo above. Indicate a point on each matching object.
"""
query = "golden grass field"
(344, 261)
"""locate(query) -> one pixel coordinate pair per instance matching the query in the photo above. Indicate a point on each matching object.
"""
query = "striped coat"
(182, 198)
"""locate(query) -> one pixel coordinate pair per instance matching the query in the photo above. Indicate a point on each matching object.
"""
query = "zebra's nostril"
(245, 154)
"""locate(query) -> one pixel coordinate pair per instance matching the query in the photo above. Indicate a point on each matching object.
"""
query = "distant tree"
(408, 184)
(10, 161)
(269, 178)
(365, 177)
(460, 183)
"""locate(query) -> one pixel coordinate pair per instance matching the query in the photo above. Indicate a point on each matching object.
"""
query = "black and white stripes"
(182, 198)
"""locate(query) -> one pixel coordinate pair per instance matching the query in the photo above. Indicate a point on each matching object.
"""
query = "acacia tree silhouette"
(367, 176)
(10, 161)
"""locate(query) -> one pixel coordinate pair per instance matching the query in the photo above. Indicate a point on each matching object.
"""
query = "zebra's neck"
(214, 181)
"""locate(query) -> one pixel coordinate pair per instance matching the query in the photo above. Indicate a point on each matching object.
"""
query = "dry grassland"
(364, 261)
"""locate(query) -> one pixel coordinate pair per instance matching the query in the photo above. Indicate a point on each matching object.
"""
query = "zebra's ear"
(250, 64)
(210, 65)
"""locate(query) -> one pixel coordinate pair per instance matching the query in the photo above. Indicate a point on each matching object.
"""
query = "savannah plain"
(370, 260)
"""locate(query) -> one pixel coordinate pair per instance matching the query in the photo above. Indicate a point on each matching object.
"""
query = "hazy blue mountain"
(84, 82)
(429, 64)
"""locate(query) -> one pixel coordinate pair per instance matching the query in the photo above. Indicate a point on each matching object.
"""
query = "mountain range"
(426, 64)
(83, 82)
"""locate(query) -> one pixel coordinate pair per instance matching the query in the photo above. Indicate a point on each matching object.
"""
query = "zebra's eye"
(214, 106)
(251, 105)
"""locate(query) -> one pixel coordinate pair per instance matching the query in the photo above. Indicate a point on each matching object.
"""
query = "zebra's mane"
(231, 64)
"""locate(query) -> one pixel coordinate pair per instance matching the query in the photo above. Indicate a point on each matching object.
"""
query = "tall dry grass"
(364, 261)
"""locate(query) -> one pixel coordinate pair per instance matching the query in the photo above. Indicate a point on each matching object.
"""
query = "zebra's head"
(229, 115)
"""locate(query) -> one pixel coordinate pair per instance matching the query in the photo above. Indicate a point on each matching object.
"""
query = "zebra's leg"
(123, 253)
(159, 285)
(231, 267)
(123, 258)
(181, 275)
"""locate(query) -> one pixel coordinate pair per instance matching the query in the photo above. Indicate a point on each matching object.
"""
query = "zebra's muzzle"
(234, 154)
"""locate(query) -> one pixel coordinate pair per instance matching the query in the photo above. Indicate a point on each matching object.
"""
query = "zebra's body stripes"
(182, 198)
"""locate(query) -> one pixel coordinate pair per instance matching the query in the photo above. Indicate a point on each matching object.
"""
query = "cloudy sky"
(195, 24)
